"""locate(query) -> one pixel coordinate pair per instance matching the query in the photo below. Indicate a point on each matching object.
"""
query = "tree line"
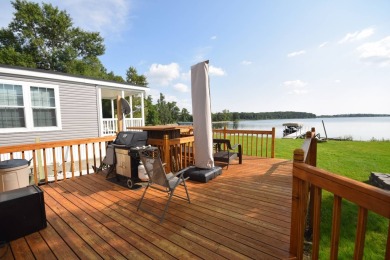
(225, 115)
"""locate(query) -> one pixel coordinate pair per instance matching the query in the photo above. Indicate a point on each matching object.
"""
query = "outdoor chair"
(225, 152)
(159, 180)
(108, 164)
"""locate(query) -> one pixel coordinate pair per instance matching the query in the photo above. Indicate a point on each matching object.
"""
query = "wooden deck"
(244, 213)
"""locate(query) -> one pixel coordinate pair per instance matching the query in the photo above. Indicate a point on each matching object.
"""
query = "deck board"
(242, 214)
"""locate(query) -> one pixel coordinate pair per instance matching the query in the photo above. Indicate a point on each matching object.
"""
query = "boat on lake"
(292, 130)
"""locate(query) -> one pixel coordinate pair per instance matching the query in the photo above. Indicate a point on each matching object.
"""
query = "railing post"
(298, 209)
(313, 148)
(273, 143)
(312, 160)
(224, 132)
(167, 157)
(40, 173)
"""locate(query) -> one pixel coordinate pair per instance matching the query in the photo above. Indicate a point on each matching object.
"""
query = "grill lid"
(131, 138)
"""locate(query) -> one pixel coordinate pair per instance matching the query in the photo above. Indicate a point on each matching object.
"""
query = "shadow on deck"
(243, 213)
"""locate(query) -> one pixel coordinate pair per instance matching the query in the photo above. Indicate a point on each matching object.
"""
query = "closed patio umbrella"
(201, 110)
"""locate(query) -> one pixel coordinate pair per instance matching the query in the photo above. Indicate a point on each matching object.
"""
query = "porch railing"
(260, 143)
(308, 183)
(180, 152)
(51, 161)
(56, 160)
(110, 125)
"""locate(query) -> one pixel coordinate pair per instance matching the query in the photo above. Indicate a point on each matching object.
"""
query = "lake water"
(359, 128)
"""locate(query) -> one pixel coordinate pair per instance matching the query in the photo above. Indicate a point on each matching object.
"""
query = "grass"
(356, 160)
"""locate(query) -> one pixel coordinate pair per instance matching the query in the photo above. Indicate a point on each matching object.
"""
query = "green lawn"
(355, 160)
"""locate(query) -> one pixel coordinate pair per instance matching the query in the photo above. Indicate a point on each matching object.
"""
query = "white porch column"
(142, 109)
(112, 109)
(100, 112)
(131, 106)
(124, 127)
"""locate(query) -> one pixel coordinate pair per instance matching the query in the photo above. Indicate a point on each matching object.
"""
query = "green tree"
(151, 115)
(174, 112)
(168, 112)
(236, 116)
(44, 37)
(133, 77)
(185, 115)
(163, 110)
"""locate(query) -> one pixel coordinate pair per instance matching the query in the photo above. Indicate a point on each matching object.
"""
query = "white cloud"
(181, 87)
(107, 17)
(170, 98)
(216, 71)
(376, 52)
(296, 53)
(358, 35)
(297, 87)
(163, 74)
(246, 62)
(214, 37)
(322, 45)
(186, 76)
(295, 83)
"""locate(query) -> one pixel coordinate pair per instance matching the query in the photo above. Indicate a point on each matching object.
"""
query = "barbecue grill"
(126, 146)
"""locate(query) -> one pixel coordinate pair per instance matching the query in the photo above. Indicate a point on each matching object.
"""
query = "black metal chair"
(225, 153)
(159, 180)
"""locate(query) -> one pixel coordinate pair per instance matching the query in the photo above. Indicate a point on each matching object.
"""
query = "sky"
(323, 57)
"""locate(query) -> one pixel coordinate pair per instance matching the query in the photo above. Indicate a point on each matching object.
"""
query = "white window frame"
(28, 112)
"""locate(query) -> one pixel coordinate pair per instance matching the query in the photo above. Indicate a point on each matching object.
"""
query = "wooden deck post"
(273, 143)
(311, 160)
(298, 209)
(166, 153)
(313, 148)
(40, 173)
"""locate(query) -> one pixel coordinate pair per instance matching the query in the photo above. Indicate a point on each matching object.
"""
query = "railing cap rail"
(360, 193)
(42, 145)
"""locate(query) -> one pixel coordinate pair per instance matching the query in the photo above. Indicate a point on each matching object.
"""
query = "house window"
(43, 105)
(28, 107)
(11, 106)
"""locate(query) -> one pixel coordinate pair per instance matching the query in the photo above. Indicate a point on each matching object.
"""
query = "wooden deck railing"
(179, 153)
(53, 160)
(176, 153)
(308, 182)
(260, 143)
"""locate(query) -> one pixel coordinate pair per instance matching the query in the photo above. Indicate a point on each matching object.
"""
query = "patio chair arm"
(219, 142)
(234, 146)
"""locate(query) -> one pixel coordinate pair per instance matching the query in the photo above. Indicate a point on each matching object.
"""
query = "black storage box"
(22, 212)
(202, 175)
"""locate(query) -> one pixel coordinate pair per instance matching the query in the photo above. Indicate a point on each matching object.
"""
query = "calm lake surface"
(359, 128)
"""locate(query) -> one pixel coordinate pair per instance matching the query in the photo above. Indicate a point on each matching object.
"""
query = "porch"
(244, 213)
